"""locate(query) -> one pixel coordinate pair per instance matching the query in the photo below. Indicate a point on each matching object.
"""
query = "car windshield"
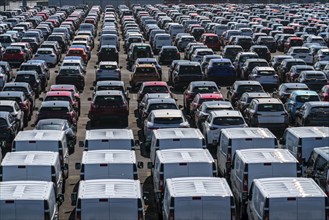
(3, 122)
(226, 121)
(155, 89)
(54, 109)
(5, 39)
(69, 72)
(49, 127)
(58, 98)
(108, 100)
(204, 89)
(266, 73)
(13, 50)
(250, 88)
(145, 70)
(301, 51)
(270, 107)
(220, 64)
(101, 88)
(5, 108)
(168, 120)
(25, 78)
(307, 98)
(15, 88)
(44, 52)
(315, 76)
(320, 110)
(31, 67)
(17, 99)
(212, 39)
(190, 70)
(161, 106)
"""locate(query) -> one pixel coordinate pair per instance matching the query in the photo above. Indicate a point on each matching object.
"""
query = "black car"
(167, 54)
(285, 89)
(262, 51)
(250, 64)
(108, 53)
(186, 72)
(285, 66)
(39, 68)
(9, 127)
(71, 75)
(60, 40)
(31, 77)
(267, 41)
(60, 125)
(230, 51)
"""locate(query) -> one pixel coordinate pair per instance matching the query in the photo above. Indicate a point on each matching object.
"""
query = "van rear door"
(200, 169)
(212, 207)
(123, 209)
(12, 173)
(258, 170)
(26, 210)
(88, 207)
(188, 208)
(283, 208)
(42, 173)
(311, 208)
(7, 209)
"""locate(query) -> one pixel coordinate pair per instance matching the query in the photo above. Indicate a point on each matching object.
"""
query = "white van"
(233, 139)
(171, 138)
(251, 164)
(108, 164)
(180, 163)
(109, 199)
(161, 40)
(44, 140)
(109, 139)
(26, 200)
(33, 165)
(301, 141)
(198, 198)
(287, 198)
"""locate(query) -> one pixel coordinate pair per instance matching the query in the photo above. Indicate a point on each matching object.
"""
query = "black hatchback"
(167, 54)
(108, 53)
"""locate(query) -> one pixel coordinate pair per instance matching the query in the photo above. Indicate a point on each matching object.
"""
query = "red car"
(15, 56)
(292, 42)
(109, 104)
(78, 52)
(200, 98)
(153, 87)
(62, 96)
(211, 40)
(324, 93)
(26, 47)
(66, 87)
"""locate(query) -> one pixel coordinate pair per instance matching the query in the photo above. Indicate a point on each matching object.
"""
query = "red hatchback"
(153, 87)
(67, 87)
(200, 98)
(211, 40)
(78, 52)
(15, 56)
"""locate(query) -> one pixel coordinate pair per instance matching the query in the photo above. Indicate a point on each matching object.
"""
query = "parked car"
(314, 113)
(220, 71)
(107, 70)
(32, 78)
(184, 73)
(250, 64)
(13, 108)
(9, 126)
(108, 53)
(15, 56)
(286, 65)
(22, 87)
(315, 80)
(266, 76)
(47, 54)
(167, 54)
(142, 73)
(71, 75)
(203, 97)
(285, 89)
(262, 51)
(247, 97)
(324, 93)
(295, 70)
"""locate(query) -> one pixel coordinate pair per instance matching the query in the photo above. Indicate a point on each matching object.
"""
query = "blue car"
(221, 71)
(297, 99)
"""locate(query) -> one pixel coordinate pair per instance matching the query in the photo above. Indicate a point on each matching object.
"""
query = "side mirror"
(81, 144)
(137, 143)
(140, 164)
(41, 99)
(66, 166)
(74, 199)
(60, 198)
(180, 106)
(149, 165)
(89, 98)
(146, 197)
(56, 71)
(77, 166)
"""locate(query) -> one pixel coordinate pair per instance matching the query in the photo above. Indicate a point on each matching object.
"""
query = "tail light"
(171, 214)
(299, 155)
(232, 209)
(212, 128)
(161, 183)
(327, 208)
(245, 182)
(46, 210)
(266, 212)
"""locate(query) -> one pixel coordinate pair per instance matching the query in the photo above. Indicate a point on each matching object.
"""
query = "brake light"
(245, 182)
(266, 215)
(161, 183)
(212, 128)
(232, 209)
(299, 155)
(327, 208)
(171, 214)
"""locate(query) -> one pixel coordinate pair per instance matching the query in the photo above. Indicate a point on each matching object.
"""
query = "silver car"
(48, 55)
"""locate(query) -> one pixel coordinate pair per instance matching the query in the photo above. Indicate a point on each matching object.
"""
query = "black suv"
(250, 64)
(108, 53)
(186, 72)
(71, 75)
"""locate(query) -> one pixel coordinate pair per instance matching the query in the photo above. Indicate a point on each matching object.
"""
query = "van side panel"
(108, 171)
(281, 208)
(311, 208)
(308, 144)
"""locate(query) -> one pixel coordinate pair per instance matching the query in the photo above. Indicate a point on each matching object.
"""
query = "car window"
(51, 126)
(54, 109)
(3, 122)
(226, 121)
(108, 100)
(168, 120)
(5, 108)
(155, 89)
(307, 98)
(269, 107)
(204, 89)
(58, 98)
(161, 106)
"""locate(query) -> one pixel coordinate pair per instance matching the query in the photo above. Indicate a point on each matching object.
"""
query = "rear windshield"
(301, 51)
(250, 88)
(101, 88)
(204, 89)
(203, 53)
(75, 52)
(19, 89)
(155, 89)
(163, 38)
(108, 50)
(3, 122)
(315, 76)
(25, 78)
(320, 110)
(44, 52)
(58, 98)
(270, 107)
(307, 98)
(4, 108)
(5, 39)
(228, 121)
(54, 109)
(221, 64)
(212, 39)
(168, 120)
(108, 100)
(49, 127)
(31, 67)
(17, 99)
(108, 67)
(161, 106)
(190, 70)
(13, 50)
(69, 72)
(145, 70)
(265, 73)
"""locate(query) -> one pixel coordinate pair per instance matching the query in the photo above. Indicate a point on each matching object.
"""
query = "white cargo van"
(233, 139)
(44, 140)
(251, 164)
(180, 163)
(198, 198)
(300, 141)
(33, 165)
(287, 198)
(171, 138)
(161, 40)
(26, 200)
(108, 164)
(109, 199)
(109, 139)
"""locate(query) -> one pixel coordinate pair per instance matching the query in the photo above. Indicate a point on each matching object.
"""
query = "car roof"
(55, 104)
(226, 113)
(110, 83)
(59, 93)
(268, 100)
(18, 84)
(246, 82)
(295, 85)
(304, 92)
(164, 100)
(11, 93)
(203, 83)
(108, 92)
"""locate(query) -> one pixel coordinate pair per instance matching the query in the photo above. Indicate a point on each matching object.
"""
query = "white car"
(48, 55)
(200, 53)
(13, 108)
(218, 120)
(170, 118)
(301, 53)
(74, 61)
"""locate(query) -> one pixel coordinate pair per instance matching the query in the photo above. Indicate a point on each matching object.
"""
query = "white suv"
(303, 53)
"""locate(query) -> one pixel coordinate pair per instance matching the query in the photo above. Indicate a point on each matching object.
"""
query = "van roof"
(25, 190)
(240, 133)
(175, 133)
(33, 158)
(323, 151)
(184, 155)
(40, 135)
(309, 132)
(109, 188)
(263, 155)
(198, 186)
(288, 187)
(115, 134)
(109, 156)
